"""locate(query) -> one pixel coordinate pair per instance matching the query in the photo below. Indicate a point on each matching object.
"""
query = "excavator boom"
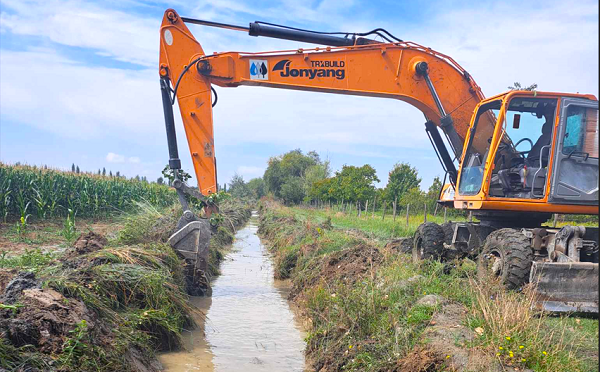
(432, 82)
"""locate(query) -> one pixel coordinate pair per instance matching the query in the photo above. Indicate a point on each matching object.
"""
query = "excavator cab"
(529, 146)
(526, 154)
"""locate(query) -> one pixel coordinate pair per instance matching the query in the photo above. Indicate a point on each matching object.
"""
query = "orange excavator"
(512, 160)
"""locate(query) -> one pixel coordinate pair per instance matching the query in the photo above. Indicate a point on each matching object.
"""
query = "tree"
(238, 188)
(103, 171)
(73, 167)
(291, 164)
(110, 173)
(118, 174)
(356, 183)
(292, 190)
(402, 178)
(517, 86)
(315, 173)
(77, 169)
(257, 187)
(160, 180)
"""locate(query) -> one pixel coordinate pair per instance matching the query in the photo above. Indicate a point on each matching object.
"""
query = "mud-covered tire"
(448, 228)
(428, 242)
(507, 254)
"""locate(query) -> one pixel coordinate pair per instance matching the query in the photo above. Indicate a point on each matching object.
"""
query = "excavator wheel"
(507, 254)
(448, 228)
(428, 242)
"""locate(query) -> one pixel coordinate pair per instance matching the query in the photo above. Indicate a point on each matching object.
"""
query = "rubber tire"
(515, 253)
(448, 228)
(428, 242)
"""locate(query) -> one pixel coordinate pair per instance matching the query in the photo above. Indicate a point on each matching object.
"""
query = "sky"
(79, 79)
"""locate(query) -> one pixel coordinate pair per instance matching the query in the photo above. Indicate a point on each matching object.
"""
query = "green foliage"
(292, 190)
(31, 260)
(402, 178)
(257, 187)
(238, 188)
(169, 174)
(294, 164)
(517, 86)
(49, 193)
(356, 183)
(69, 231)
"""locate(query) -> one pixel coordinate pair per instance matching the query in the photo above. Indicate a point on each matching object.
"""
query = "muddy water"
(249, 325)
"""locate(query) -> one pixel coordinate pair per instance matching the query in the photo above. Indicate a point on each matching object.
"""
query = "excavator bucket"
(191, 242)
(566, 286)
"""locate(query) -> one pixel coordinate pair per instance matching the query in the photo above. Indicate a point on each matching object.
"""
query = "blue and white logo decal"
(259, 69)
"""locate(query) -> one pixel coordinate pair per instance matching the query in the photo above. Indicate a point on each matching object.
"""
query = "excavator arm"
(430, 81)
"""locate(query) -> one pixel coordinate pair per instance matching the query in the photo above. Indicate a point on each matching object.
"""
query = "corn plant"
(48, 193)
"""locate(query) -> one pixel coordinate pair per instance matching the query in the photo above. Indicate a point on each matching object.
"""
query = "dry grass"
(520, 334)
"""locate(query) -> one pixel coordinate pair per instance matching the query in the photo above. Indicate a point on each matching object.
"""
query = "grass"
(369, 319)
(375, 226)
(134, 285)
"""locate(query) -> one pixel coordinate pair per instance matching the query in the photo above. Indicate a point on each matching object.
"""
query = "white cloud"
(134, 160)
(111, 157)
(249, 172)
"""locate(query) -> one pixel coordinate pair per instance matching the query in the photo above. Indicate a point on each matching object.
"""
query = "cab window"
(581, 131)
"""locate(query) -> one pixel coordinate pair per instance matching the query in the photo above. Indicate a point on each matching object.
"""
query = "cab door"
(575, 169)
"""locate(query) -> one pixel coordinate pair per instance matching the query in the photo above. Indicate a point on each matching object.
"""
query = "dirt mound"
(420, 359)
(6, 276)
(13, 290)
(350, 265)
(44, 319)
(402, 245)
(89, 242)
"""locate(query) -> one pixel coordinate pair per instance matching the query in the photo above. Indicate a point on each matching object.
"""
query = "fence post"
(554, 222)
(383, 215)
(367, 209)
(374, 204)
(407, 209)
(445, 214)
(395, 203)
(435, 211)
(358, 208)
(424, 212)
(470, 216)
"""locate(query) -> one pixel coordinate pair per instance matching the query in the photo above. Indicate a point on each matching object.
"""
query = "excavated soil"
(402, 245)
(44, 318)
(350, 265)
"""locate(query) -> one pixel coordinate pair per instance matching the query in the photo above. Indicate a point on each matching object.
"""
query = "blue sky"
(79, 79)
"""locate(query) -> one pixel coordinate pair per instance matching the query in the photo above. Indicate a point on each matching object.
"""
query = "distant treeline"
(297, 178)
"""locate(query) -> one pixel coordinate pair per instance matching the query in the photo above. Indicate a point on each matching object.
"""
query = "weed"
(69, 231)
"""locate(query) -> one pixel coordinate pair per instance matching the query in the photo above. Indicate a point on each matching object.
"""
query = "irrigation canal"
(249, 325)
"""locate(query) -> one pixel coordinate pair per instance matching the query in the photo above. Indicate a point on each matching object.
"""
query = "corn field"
(45, 193)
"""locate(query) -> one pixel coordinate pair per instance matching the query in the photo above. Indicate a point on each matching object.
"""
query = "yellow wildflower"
(521, 346)
(500, 347)
(545, 353)
(508, 338)
(447, 356)
(350, 347)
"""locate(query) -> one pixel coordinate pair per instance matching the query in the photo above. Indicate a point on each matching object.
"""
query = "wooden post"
(367, 209)
(374, 204)
(445, 214)
(554, 222)
(358, 209)
(395, 203)
(383, 215)
(407, 209)
(424, 212)
(435, 211)
(470, 216)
